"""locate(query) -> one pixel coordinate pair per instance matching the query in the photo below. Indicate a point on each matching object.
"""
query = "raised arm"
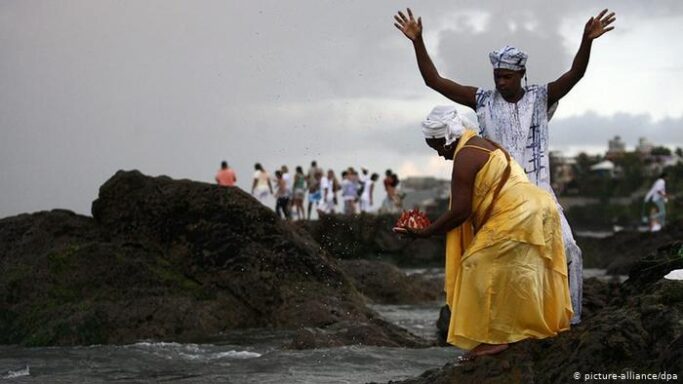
(412, 29)
(595, 27)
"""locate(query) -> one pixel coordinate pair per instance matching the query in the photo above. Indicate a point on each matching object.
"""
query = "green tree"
(660, 151)
(632, 174)
(588, 183)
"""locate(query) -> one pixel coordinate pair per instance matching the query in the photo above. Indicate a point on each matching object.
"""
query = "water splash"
(204, 352)
(18, 373)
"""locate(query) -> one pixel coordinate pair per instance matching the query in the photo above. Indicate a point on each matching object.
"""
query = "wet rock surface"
(168, 260)
(631, 328)
(374, 332)
(620, 252)
(384, 283)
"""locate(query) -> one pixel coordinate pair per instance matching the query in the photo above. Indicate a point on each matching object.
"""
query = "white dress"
(365, 196)
(326, 203)
(262, 191)
(522, 129)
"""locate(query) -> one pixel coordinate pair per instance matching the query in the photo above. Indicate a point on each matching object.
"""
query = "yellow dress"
(506, 281)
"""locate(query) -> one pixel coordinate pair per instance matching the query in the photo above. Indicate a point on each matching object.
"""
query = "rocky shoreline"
(176, 260)
(629, 328)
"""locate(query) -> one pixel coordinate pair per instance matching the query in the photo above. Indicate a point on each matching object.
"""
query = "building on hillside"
(615, 148)
(644, 147)
(604, 168)
(562, 171)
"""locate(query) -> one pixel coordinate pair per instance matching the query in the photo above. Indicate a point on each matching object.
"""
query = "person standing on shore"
(226, 176)
(329, 185)
(657, 194)
(281, 196)
(261, 188)
(515, 116)
(299, 192)
(313, 180)
(366, 198)
(289, 182)
(349, 192)
(287, 177)
(389, 203)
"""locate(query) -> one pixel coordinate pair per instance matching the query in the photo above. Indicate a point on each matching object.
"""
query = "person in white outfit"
(328, 187)
(261, 188)
(367, 197)
(657, 195)
(517, 117)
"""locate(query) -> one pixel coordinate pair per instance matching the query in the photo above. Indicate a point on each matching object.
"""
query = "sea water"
(240, 357)
(244, 357)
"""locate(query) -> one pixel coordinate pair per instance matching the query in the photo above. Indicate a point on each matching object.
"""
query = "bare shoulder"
(481, 142)
(471, 158)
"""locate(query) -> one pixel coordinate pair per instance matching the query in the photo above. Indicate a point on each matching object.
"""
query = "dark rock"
(628, 329)
(442, 324)
(384, 283)
(619, 253)
(166, 259)
(375, 332)
(656, 265)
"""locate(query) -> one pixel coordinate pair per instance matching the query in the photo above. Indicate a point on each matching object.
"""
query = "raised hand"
(408, 25)
(598, 25)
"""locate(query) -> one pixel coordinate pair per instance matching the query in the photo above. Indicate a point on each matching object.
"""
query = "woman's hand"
(408, 25)
(412, 233)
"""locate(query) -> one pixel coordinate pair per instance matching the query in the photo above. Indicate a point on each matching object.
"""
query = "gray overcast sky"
(174, 87)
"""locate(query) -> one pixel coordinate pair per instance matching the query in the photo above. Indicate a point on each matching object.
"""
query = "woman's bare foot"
(483, 349)
(489, 349)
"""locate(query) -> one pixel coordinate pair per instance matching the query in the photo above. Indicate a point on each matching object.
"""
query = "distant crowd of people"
(354, 193)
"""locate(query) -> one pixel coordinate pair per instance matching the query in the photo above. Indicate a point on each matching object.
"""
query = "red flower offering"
(413, 219)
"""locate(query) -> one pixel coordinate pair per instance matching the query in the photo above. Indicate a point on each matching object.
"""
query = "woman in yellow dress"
(506, 273)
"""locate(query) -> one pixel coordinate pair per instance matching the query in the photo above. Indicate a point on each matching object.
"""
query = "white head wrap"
(445, 122)
(508, 58)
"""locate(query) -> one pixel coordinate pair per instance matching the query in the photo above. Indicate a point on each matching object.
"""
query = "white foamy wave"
(676, 274)
(18, 373)
(162, 345)
(236, 355)
(241, 355)
(205, 352)
(165, 346)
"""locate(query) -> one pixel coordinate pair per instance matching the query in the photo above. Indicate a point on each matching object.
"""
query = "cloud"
(173, 87)
(593, 130)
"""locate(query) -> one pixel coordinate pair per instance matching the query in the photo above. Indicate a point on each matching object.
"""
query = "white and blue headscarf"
(508, 58)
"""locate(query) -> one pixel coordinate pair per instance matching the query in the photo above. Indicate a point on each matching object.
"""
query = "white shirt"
(288, 182)
(262, 179)
(521, 128)
(657, 191)
(326, 185)
(366, 190)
